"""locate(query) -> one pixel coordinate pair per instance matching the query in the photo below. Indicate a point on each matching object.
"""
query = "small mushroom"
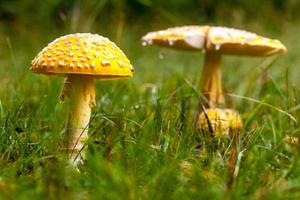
(215, 41)
(219, 122)
(223, 123)
(81, 58)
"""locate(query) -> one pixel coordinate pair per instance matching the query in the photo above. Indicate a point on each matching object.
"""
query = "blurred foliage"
(58, 11)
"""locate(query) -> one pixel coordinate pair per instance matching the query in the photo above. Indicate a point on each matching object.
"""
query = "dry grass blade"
(265, 104)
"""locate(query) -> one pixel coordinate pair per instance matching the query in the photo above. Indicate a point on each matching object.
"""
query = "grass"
(144, 145)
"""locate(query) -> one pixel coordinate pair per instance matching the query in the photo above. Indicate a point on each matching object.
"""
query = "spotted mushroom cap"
(214, 38)
(219, 122)
(83, 53)
(239, 42)
(185, 37)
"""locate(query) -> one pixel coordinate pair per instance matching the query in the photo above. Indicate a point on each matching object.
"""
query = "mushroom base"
(80, 90)
(211, 80)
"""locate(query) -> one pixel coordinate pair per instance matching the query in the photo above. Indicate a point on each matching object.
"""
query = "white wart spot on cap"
(61, 63)
(97, 55)
(121, 64)
(105, 63)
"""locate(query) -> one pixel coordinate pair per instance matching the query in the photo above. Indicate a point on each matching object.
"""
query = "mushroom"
(81, 58)
(215, 41)
(221, 124)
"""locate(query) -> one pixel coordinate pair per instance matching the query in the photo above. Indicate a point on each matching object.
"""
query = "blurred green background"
(147, 122)
(26, 26)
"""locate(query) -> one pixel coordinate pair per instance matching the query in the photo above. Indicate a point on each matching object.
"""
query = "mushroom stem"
(210, 82)
(64, 93)
(81, 92)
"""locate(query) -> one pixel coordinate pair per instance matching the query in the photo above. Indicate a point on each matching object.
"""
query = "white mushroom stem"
(211, 79)
(80, 90)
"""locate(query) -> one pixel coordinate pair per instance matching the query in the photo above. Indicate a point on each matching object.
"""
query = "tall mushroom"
(215, 41)
(81, 58)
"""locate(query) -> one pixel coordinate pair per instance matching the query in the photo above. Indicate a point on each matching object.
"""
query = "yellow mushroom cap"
(83, 53)
(219, 39)
(219, 121)
(239, 42)
(185, 37)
